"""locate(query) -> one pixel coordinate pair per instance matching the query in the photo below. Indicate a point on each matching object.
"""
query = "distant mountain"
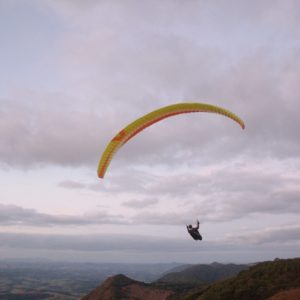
(202, 273)
(181, 279)
(178, 268)
(67, 280)
(121, 287)
(261, 281)
(272, 280)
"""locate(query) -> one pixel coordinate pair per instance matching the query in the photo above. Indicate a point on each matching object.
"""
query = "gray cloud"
(94, 66)
(35, 134)
(220, 194)
(140, 203)
(16, 215)
(131, 248)
(92, 242)
(165, 218)
(186, 58)
(277, 235)
(141, 243)
(71, 184)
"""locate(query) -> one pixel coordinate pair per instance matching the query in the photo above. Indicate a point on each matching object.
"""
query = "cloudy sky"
(73, 73)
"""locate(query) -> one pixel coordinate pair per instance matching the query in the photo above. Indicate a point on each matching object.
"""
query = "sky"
(73, 73)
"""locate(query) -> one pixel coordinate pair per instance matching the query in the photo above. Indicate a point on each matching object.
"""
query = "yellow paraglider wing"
(147, 120)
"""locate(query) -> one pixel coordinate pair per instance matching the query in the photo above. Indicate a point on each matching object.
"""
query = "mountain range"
(272, 280)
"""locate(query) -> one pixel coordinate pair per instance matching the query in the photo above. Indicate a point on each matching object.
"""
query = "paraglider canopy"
(155, 116)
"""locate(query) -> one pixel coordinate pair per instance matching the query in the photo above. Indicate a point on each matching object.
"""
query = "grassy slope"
(258, 282)
(203, 274)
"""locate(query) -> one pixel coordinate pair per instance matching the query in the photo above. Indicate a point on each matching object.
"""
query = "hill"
(203, 273)
(121, 287)
(292, 294)
(272, 280)
(259, 282)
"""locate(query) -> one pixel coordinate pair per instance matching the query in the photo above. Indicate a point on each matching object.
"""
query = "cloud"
(114, 71)
(95, 66)
(137, 248)
(165, 218)
(91, 242)
(217, 193)
(71, 184)
(222, 192)
(16, 215)
(138, 204)
(272, 235)
(34, 134)
(140, 243)
(184, 59)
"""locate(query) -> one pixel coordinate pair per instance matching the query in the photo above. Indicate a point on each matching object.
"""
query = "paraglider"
(155, 116)
(194, 231)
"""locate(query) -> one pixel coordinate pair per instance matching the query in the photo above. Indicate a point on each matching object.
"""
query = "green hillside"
(203, 273)
(258, 282)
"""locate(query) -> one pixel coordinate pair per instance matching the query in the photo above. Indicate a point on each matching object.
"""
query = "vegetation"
(203, 273)
(258, 282)
(68, 281)
(199, 282)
